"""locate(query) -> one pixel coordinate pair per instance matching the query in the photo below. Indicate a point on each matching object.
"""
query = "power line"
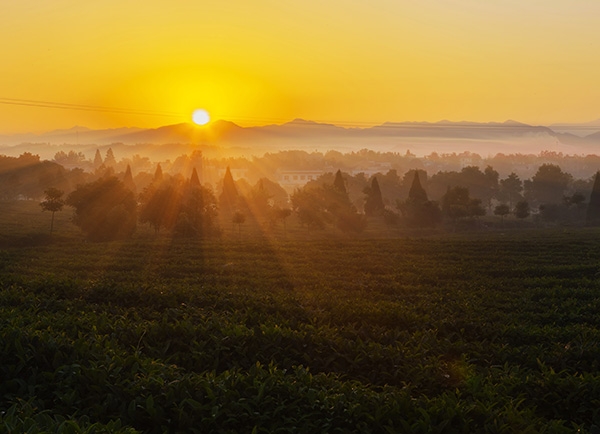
(82, 107)
(102, 109)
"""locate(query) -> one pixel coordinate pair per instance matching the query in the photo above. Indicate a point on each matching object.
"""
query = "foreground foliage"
(485, 333)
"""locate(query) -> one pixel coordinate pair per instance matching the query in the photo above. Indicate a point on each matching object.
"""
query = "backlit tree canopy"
(104, 210)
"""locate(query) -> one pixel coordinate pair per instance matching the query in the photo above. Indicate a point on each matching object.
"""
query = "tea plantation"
(472, 333)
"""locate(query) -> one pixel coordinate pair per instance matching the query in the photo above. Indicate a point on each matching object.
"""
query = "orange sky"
(349, 62)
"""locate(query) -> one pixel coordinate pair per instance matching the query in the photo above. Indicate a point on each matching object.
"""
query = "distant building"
(291, 179)
(371, 168)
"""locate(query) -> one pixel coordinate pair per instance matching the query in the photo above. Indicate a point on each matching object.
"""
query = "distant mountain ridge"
(306, 134)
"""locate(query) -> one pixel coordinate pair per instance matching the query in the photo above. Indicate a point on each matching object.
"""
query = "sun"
(200, 117)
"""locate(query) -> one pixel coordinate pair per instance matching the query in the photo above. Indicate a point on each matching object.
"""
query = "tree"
(229, 198)
(522, 209)
(104, 209)
(338, 183)
(97, 159)
(593, 210)
(160, 205)
(417, 210)
(158, 174)
(259, 202)
(548, 185)
(457, 204)
(511, 188)
(109, 159)
(374, 201)
(128, 180)
(308, 204)
(417, 193)
(502, 210)
(338, 205)
(52, 202)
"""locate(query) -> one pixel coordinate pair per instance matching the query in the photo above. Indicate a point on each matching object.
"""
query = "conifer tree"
(128, 179)
(194, 179)
(228, 200)
(593, 211)
(417, 193)
(417, 210)
(110, 160)
(97, 159)
(158, 174)
(374, 202)
(338, 183)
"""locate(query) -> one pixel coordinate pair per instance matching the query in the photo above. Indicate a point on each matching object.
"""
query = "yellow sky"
(350, 62)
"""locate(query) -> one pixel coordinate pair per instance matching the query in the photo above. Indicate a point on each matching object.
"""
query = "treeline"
(109, 205)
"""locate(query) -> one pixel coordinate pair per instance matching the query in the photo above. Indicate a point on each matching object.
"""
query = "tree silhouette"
(158, 174)
(52, 202)
(338, 183)
(229, 198)
(417, 193)
(593, 210)
(128, 180)
(417, 210)
(97, 159)
(502, 210)
(374, 201)
(109, 159)
(160, 205)
(104, 209)
(194, 179)
(308, 204)
(548, 185)
(511, 188)
(457, 203)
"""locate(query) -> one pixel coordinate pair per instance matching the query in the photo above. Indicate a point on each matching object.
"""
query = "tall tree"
(229, 198)
(338, 182)
(52, 202)
(417, 193)
(158, 174)
(194, 179)
(109, 159)
(593, 211)
(97, 159)
(417, 210)
(374, 201)
(128, 180)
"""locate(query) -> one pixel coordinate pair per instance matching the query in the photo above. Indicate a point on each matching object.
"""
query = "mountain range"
(420, 137)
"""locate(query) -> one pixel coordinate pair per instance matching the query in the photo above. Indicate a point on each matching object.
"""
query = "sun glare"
(200, 117)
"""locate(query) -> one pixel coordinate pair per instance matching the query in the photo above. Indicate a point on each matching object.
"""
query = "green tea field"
(457, 333)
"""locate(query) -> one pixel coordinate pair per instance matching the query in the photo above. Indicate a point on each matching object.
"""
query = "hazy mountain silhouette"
(578, 129)
(423, 137)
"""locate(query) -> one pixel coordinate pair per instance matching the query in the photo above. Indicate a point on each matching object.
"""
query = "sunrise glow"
(354, 63)
(200, 117)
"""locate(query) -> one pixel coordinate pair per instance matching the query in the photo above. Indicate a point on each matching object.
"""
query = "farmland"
(492, 332)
